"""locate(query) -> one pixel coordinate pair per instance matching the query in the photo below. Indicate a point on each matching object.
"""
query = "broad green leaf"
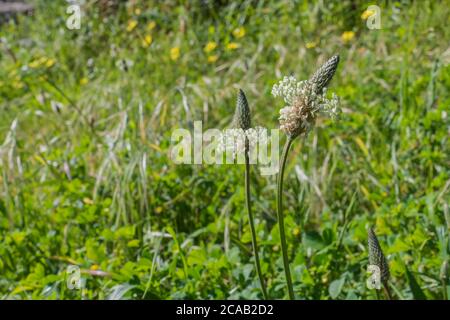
(414, 286)
(335, 287)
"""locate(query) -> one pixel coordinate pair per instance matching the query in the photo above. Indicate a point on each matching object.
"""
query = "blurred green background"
(85, 127)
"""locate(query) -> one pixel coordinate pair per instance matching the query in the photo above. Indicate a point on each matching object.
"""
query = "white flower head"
(288, 88)
(303, 105)
(232, 141)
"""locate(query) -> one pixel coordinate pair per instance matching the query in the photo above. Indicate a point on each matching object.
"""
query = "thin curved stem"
(387, 291)
(287, 271)
(252, 224)
(444, 290)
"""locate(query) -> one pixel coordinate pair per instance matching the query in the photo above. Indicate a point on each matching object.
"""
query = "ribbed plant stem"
(387, 291)
(252, 224)
(444, 290)
(287, 271)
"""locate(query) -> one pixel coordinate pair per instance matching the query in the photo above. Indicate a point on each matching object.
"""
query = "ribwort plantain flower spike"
(443, 275)
(322, 77)
(246, 137)
(300, 117)
(444, 270)
(376, 256)
(306, 100)
(242, 135)
(242, 114)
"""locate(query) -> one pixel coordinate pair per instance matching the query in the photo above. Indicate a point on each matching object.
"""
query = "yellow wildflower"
(158, 209)
(213, 58)
(151, 25)
(50, 63)
(366, 14)
(147, 41)
(18, 236)
(239, 32)
(310, 45)
(347, 36)
(95, 267)
(17, 84)
(132, 24)
(133, 243)
(210, 46)
(88, 201)
(365, 191)
(137, 11)
(296, 232)
(174, 53)
(233, 46)
(84, 81)
(34, 64)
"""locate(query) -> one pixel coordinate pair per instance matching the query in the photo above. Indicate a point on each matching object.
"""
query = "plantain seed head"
(242, 114)
(376, 256)
(322, 77)
(444, 271)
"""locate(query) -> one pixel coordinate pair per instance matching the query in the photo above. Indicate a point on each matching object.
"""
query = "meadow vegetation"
(86, 177)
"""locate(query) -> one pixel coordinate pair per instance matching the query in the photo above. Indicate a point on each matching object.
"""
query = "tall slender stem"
(387, 291)
(444, 290)
(252, 223)
(444, 267)
(378, 294)
(287, 271)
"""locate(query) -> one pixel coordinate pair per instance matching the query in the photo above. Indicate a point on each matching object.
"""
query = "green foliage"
(86, 177)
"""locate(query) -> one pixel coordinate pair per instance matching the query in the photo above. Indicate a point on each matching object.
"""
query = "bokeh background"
(86, 178)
